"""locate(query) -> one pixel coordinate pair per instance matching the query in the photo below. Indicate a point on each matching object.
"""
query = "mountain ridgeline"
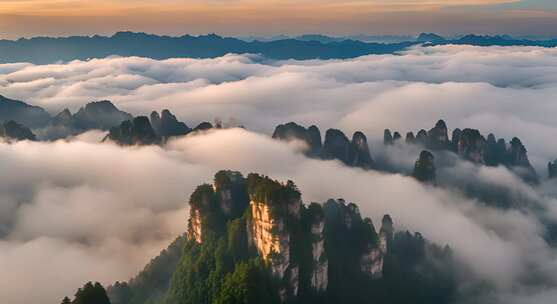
(124, 129)
(156, 130)
(468, 144)
(471, 145)
(41, 50)
(252, 240)
(353, 152)
(19, 121)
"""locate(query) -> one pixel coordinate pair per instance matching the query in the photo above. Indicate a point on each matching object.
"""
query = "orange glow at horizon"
(24, 18)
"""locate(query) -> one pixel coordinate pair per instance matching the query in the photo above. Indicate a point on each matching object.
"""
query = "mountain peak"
(430, 37)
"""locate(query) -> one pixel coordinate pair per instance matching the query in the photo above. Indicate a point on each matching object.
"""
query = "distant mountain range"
(42, 50)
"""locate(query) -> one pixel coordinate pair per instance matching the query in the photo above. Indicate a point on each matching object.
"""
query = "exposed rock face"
(455, 138)
(386, 233)
(373, 257)
(387, 137)
(421, 137)
(518, 154)
(552, 169)
(519, 161)
(280, 230)
(320, 264)
(371, 262)
(367, 259)
(14, 131)
(275, 210)
(230, 187)
(265, 239)
(202, 215)
(194, 229)
(22, 113)
(167, 125)
(410, 138)
(212, 206)
(310, 136)
(360, 156)
(135, 132)
(352, 153)
(438, 137)
(336, 146)
(424, 169)
(472, 146)
(493, 154)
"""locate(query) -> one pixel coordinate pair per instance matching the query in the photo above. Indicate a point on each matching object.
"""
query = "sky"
(27, 18)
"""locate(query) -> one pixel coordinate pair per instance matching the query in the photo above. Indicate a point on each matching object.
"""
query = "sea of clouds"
(80, 210)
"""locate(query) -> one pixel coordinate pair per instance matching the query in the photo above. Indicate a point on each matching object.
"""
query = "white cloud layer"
(77, 211)
(76, 219)
(506, 90)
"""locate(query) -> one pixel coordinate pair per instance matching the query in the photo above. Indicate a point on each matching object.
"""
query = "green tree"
(91, 294)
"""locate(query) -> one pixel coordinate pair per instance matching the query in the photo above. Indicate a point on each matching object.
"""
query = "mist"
(77, 210)
(76, 219)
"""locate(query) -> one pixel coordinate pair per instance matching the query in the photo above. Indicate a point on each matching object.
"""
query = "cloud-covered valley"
(506, 90)
(80, 210)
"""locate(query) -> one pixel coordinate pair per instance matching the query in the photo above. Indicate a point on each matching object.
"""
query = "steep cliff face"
(212, 206)
(455, 137)
(230, 187)
(336, 146)
(201, 212)
(310, 136)
(438, 137)
(360, 156)
(421, 137)
(194, 227)
(263, 245)
(271, 238)
(472, 146)
(367, 258)
(371, 262)
(167, 125)
(297, 244)
(387, 137)
(410, 138)
(134, 132)
(275, 216)
(373, 257)
(354, 153)
(386, 233)
(319, 278)
(424, 169)
(552, 169)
